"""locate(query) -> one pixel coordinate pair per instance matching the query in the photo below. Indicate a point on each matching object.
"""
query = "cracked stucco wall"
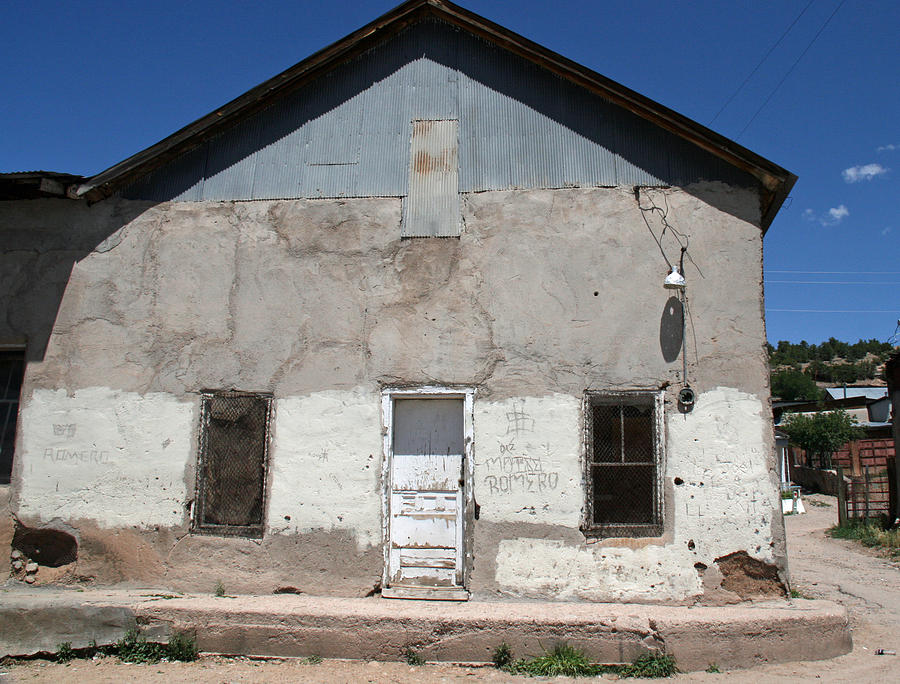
(545, 294)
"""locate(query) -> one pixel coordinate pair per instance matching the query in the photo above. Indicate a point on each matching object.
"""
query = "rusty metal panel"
(431, 208)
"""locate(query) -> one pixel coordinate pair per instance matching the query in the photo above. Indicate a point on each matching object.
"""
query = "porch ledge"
(285, 625)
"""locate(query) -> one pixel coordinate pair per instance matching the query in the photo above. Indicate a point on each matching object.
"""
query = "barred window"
(231, 473)
(623, 463)
(12, 370)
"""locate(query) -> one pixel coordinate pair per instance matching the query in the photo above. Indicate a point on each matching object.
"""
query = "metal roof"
(867, 392)
(775, 181)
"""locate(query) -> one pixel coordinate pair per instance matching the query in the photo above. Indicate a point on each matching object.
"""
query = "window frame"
(253, 530)
(14, 352)
(655, 399)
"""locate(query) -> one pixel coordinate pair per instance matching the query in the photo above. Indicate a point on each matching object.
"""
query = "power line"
(789, 71)
(756, 68)
(772, 270)
(830, 282)
(837, 311)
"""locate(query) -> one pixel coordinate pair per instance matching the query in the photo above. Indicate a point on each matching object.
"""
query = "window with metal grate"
(231, 473)
(622, 464)
(12, 370)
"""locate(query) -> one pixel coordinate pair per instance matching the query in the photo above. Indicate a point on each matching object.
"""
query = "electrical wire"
(772, 270)
(682, 239)
(829, 282)
(756, 68)
(837, 311)
(789, 71)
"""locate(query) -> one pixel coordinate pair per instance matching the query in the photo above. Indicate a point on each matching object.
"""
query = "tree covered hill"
(798, 370)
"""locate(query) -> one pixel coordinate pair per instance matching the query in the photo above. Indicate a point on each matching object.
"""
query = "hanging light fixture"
(674, 281)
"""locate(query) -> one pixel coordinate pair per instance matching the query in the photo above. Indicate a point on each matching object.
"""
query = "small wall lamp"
(674, 281)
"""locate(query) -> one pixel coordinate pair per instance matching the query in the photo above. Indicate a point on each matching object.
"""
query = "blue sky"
(87, 84)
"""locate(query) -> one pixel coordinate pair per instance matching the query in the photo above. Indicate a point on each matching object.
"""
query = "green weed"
(220, 589)
(796, 593)
(562, 660)
(64, 652)
(314, 659)
(713, 669)
(134, 648)
(871, 533)
(650, 665)
(182, 646)
(502, 657)
(568, 661)
(413, 658)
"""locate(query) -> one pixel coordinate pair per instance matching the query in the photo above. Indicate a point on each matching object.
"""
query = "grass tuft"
(567, 661)
(871, 533)
(650, 665)
(64, 652)
(502, 657)
(134, 648)
(413, 658)
(220, 589)
(713, 669)
(182, 646)
(562, 660)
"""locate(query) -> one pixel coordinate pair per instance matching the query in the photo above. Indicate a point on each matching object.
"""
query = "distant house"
(395, 321)
(865, 462)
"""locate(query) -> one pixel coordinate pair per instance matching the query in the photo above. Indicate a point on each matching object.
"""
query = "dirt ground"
(821, 567)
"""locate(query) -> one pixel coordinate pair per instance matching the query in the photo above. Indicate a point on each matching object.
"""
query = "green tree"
(791, 385)
(820, 433)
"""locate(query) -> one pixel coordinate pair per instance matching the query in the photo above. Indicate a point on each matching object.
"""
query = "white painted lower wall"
(114, 457)
(725, 502)
(120, 459)
(325, 463)
(528, 464)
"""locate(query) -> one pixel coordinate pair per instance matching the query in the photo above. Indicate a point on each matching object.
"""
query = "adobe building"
(395, 322)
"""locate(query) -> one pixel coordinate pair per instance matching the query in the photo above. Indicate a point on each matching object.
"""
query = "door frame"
(467, 394)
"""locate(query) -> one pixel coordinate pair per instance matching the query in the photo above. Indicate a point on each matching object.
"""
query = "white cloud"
(830, 218)
(866, 172)
(887, 148)
(886, 230)
(836, 214)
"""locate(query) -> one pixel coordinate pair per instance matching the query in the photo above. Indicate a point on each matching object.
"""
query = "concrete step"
(374, 628)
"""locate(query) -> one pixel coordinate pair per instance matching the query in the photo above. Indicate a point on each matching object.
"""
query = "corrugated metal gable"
(347, 134)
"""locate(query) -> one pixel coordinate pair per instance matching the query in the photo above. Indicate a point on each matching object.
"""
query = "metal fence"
(231, 475)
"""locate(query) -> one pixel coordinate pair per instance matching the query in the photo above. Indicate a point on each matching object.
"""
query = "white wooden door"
(426, 493)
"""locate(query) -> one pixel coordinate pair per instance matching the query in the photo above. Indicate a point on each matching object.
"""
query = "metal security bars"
(231, 474)
(623, 464)
(12, 370)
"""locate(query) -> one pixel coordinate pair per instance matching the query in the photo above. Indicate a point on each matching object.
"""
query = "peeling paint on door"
(426, 495)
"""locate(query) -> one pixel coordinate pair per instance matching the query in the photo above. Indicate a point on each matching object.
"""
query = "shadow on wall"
(671, 329)
(42, 240)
